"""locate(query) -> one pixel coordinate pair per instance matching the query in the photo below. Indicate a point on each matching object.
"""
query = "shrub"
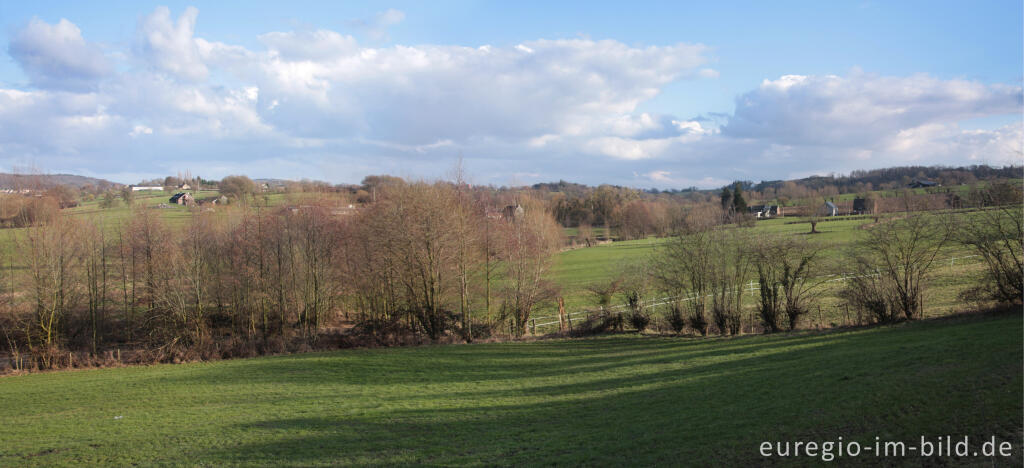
(676, 320)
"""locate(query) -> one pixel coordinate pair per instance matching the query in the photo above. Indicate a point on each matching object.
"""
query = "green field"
(575, 270)
(613, 400)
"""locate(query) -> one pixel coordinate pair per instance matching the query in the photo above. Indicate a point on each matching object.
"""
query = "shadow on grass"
(641, 408)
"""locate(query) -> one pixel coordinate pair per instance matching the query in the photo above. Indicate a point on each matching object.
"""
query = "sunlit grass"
(617, 400)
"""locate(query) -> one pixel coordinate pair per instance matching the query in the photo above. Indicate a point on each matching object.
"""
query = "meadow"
(955, 270)
(610, 400)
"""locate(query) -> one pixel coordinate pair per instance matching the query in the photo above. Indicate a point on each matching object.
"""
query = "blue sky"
(666, 94)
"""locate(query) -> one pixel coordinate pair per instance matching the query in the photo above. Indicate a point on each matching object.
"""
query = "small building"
(183, 198)
(829, 209)
(764, 211)
(865, 206)
(184, 187)
(143, 188)
(512, 212)
(921, 183)
(214, 200)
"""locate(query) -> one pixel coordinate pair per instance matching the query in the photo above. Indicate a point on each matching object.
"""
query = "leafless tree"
(683, 266)
(53, 256)
(527, 247)
(635, 287)
(788, 280)
(996, 233)
(729, 269)
(900, 253)
(95, 251)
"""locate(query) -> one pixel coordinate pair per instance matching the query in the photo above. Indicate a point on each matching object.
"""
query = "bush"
(638, 316)
(676, 320)
(598, 323)
(639, 320)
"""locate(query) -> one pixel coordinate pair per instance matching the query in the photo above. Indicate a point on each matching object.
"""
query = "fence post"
(561, 314)
(568, 318)
(533, 322)
(821, 323)
(847, 306)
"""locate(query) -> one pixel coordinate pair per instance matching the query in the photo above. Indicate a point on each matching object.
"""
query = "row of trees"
(426, 259)
(889, 267)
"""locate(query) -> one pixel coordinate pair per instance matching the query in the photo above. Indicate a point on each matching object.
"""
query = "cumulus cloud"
(861, 109)
(319, 103)
(417, 94)
(169, 46)
(57, 56)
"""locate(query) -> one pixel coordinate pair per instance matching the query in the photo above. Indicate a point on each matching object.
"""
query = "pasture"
(613, 400)
(954, 271)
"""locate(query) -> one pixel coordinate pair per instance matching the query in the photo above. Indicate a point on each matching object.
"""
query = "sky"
(642, 94)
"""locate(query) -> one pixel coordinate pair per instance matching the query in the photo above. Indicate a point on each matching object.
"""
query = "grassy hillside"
(613, 400)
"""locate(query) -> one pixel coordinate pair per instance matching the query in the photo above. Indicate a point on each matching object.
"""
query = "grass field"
(575, 270)
(613, 400)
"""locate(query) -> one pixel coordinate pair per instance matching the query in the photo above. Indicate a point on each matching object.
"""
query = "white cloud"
(861, 110)
(417, 94)
(140, 130)
(319, 103)
(57, 56)
(169, 45)
(316, 45)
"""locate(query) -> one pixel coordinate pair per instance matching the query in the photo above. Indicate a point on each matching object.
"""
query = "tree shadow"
(716, 411)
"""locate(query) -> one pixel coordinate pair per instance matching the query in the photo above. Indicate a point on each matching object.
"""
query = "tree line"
(426, 261)
(708, 267)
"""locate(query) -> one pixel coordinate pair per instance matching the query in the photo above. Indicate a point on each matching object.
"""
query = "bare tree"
(684, 267)
(53, 256)
(729, 268)
(95, 251)
(786, 272)
(636, 285)
(528, 245)
(900, 253)
(996, 233)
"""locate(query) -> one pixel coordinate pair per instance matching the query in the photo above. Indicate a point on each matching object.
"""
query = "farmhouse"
(183, 198)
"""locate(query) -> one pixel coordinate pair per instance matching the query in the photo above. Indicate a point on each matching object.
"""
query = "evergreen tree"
(726, 196)
(738, 203)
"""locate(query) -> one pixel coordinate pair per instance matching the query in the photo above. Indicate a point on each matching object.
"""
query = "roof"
(179, 195)
(830, 205)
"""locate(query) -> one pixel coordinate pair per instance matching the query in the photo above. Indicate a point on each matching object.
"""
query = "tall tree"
(739, 205)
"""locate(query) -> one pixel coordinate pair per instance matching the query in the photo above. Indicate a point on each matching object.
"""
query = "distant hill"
(45, 181)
